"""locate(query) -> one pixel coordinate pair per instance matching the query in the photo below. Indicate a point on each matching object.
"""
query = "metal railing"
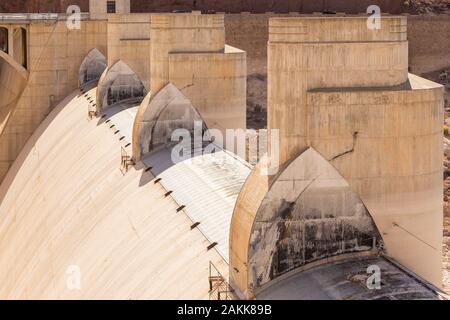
(92, 112)
(219, 289)
(126, 161)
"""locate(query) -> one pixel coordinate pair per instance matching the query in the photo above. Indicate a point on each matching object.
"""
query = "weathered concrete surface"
(347, 280)
(189, 51)
(215, 83)
(92, 67)
(159, 116)
(117, 84)
(309, 214)
(65, 203)
(122, 116)
(401, 184)
(321, 96)
(341, 53)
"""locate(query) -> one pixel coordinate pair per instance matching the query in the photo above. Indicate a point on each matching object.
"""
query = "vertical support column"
(11, 41)
(172, 33)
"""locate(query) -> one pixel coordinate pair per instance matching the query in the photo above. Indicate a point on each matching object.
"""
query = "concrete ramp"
(66, 210)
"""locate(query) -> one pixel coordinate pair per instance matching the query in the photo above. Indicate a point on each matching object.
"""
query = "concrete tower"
(341, 97)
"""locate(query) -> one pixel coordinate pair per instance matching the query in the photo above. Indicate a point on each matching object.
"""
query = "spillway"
(65, 203)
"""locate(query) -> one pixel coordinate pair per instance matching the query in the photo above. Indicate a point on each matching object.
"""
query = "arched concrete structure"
(307, 214)
(118, 83)
(92, 67)
(158, 116)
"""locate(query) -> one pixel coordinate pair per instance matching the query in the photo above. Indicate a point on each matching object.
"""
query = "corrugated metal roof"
(207, 185)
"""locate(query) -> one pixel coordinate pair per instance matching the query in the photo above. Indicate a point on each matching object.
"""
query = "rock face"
(443, 77)
(430, 6)
(236, 6)
(260, 6)
(350, 6)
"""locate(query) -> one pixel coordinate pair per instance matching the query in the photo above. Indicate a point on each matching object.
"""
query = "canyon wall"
(261, 6)
(429, 42)
(235, 6)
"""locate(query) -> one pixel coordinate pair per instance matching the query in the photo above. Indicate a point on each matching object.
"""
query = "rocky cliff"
(236, 6)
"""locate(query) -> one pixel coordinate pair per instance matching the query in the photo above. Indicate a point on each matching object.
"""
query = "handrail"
(219, 289)
(126, 161)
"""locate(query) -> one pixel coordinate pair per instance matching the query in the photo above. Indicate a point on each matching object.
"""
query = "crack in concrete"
(189, 85)
(355, 137)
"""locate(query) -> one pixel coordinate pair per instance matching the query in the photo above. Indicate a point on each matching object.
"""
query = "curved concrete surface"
(383, 132)
(66, 206)
(248, 202)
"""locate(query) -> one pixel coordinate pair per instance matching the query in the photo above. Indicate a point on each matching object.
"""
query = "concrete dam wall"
(97, 187)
